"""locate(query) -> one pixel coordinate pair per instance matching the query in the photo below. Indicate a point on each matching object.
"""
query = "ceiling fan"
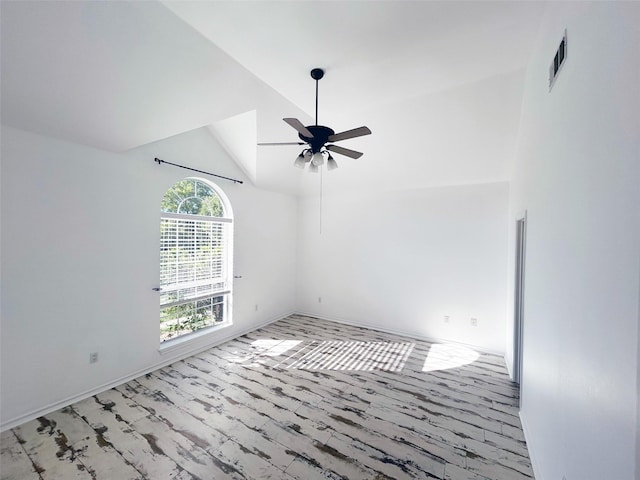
(319, 139)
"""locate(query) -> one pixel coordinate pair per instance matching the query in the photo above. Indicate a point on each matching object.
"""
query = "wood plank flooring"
(302, 399)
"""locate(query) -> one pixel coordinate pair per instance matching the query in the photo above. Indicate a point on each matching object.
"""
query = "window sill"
(190, 339)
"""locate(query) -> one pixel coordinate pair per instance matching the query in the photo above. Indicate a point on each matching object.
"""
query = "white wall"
(402, 260)
(80, 252)
(578, 177)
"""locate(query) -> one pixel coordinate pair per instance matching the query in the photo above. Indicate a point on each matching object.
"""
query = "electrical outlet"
(474, 322)
(93, 357)
(446, 319)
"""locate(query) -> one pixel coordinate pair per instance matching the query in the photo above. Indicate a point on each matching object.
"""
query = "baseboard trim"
(525, 430)
(166, 360)
(509, 363)
(402, 333)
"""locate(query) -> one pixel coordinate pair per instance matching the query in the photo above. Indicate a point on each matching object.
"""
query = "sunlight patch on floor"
(443, 356)
(354, 355)
(261, 348)
(273, 347)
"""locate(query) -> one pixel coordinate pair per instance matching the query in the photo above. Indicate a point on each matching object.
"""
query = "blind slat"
(192, 257)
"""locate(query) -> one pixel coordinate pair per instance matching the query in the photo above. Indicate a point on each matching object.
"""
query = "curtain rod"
(159, 161)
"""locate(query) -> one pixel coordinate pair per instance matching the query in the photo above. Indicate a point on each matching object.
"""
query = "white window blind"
(193, 255)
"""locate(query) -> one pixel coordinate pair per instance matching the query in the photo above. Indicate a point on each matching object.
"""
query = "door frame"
(518, 299)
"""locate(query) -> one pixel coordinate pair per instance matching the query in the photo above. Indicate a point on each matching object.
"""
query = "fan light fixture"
(300, 161)
(331, 163)
(315, 160)
(318, 159)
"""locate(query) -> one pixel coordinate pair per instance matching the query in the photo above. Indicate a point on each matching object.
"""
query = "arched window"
(196, 230)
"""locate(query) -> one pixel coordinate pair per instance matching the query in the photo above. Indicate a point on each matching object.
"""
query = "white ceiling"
(438, 83)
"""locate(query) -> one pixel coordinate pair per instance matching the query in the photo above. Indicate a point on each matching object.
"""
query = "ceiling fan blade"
(282, 143)
(344, 151)
(297, 124)
(356, 132)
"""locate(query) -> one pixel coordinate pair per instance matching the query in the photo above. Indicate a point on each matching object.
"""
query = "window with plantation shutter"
(195, 243)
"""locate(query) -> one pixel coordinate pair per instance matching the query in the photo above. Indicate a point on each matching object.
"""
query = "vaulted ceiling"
(439, 83)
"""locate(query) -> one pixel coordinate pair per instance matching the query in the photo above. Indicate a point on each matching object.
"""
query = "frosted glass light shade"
(331, 163)
(318, 159)
(299, 162)
(313, 168)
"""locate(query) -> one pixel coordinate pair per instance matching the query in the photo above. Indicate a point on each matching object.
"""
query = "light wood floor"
(301, 398)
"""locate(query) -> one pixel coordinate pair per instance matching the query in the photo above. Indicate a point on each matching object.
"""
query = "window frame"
(226, 221)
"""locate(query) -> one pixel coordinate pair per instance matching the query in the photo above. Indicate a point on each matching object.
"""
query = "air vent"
(558, 61)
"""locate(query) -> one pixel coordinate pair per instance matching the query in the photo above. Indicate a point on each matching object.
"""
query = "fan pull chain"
(321, 189)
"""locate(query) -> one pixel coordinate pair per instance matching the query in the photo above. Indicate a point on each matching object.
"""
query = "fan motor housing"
(321, 135)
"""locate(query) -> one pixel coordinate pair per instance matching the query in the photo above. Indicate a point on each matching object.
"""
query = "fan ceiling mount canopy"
(319, 138)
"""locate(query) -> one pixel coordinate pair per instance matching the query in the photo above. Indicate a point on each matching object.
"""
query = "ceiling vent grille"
(558, 61)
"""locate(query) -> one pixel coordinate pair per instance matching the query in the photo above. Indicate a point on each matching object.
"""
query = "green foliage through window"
(193, 197)
(189, 317)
